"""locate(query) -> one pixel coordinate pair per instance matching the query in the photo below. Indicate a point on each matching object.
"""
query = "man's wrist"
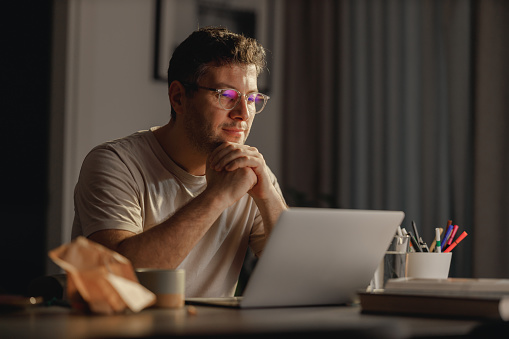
(215, 199)
(271, 198)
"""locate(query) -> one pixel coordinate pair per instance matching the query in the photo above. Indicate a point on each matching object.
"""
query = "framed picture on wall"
(176, 19)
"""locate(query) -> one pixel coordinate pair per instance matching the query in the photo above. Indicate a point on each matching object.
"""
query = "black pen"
(417, 236)
(415, 243)
(422, 245)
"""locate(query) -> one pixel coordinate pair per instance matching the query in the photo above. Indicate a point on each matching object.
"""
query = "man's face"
(206, 123)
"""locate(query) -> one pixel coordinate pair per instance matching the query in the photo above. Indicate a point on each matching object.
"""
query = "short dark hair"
(213, 46)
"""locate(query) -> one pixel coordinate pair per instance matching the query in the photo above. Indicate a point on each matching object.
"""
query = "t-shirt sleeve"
(106, 195)
(257, 237)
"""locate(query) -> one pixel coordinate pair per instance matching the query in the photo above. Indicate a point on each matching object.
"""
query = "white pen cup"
(167, 285)
(393, 264)
(428, 265)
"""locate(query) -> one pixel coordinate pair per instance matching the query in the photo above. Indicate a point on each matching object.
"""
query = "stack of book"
(455, 297)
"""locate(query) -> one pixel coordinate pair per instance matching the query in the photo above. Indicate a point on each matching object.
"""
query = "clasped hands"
(235, 169)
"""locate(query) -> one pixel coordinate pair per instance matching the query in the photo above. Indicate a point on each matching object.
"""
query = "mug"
(167, 285)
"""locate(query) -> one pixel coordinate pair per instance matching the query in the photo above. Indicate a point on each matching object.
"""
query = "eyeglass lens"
(229, 98)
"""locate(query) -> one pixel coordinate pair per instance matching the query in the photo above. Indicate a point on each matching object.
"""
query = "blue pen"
(444, 241)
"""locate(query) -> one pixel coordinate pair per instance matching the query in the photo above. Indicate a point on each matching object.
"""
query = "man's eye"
(230, 94)
(256, 98)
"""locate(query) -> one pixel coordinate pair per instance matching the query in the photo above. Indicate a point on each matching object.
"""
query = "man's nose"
(241, 111)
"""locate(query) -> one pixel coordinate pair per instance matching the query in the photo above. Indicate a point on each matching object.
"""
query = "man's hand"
(236, 161)
(230, 185)
(231, 157)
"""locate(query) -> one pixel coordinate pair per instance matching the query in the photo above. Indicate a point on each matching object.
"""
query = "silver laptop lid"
(318, 256)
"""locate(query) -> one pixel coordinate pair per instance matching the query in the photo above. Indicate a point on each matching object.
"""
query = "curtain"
(491, 216)
(380, 111)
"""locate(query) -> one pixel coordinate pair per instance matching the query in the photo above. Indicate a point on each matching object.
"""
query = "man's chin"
(212, 145)
(216, 144)
(236, 140)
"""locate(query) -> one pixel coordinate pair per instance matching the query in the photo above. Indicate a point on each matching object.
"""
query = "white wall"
(109, 90)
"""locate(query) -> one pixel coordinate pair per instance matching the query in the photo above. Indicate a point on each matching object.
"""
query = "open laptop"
(316, 256)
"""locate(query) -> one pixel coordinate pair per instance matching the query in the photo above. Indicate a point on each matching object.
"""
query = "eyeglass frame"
(219, 91)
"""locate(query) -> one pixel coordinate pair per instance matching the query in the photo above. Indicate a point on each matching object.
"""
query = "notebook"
(316, 256)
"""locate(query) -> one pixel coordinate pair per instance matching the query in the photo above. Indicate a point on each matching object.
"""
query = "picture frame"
(175, 20)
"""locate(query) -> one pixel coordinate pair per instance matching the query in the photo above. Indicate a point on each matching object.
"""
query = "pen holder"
(393, 264)
(428, 265)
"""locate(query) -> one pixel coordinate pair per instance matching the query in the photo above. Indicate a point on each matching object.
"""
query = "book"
(461, 306)
(449, 286)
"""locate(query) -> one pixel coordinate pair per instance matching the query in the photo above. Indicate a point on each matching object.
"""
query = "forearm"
(167, 244)
(270, 209)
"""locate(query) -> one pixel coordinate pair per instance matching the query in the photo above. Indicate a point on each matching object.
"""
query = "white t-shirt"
(131, 184)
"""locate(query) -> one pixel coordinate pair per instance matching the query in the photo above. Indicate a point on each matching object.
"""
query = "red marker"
(456, 242)
(455, 229)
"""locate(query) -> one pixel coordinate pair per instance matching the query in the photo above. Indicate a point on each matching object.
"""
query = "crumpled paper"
(100, 279)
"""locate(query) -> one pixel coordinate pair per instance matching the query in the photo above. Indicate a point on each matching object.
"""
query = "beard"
(201, 137)
(201, 134)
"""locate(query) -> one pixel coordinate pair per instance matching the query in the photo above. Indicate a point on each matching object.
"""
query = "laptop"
(316, 256)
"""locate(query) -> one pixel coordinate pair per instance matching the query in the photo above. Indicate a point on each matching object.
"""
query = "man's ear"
(177, 96)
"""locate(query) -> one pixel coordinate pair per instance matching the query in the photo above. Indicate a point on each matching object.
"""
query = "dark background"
(26, 105)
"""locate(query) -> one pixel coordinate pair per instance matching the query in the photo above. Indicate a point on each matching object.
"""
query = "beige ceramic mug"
(167, 285)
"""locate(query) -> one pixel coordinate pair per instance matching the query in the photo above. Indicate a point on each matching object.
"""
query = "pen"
(447, 234)
(415, 244)
(410, 246)
(455, 229)
(424, 246)
(456, 242)
(434, 243)
(449, 223)
(438, 231)
(400, 231)
(417, 236)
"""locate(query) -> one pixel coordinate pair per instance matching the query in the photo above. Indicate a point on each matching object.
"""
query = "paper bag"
(100, 279)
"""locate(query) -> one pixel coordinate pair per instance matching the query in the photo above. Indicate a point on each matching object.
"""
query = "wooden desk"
(58, 322)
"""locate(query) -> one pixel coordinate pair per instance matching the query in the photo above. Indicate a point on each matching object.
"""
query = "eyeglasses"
(229, 98)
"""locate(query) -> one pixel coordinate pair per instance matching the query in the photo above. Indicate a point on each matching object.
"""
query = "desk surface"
(58, 322)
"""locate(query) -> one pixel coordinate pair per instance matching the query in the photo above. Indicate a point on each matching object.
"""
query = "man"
(189, 194)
